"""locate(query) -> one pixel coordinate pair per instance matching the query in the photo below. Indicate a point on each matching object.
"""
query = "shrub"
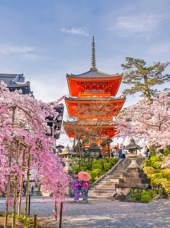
(148, 170)
(146, 196)
(155, 162)
(152, 150)
(160, 177)
(96, 164)
(96, 167)
(135, 195)
(166, 151)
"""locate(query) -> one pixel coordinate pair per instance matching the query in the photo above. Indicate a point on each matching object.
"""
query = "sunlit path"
(106, 213)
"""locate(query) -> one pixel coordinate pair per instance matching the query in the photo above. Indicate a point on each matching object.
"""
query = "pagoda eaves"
(92, 108)
(93, 83)
(77, 129)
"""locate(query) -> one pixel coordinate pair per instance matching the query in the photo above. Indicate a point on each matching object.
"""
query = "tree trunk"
(6, 203)
(14, 203)
(21, 183)
(27, 183)
(147, 89)
(9, 176)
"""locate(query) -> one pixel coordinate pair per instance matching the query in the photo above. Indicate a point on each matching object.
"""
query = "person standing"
(84, 190)
(147, 152)
(76, 187)
(121, 152)
(114, 152)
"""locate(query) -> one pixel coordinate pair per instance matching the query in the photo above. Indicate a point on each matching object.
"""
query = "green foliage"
(144, 196)
(27, 222)
(152, 150)
(96, 167)
(160, 177)
(142, 77)
(95, 174)
(165, 151)
(155, 162)
(134, 195)
(147, 195)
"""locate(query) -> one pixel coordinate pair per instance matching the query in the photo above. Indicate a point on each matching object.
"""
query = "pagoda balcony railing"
(94, 93)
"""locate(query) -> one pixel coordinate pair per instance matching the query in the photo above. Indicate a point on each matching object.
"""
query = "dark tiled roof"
(11, 79)
(93, 74)
(16, 81)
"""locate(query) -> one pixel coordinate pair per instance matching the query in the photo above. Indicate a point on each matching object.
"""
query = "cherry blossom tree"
(25, 147)
(148, 121)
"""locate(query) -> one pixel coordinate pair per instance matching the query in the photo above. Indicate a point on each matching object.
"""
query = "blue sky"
(45, 39)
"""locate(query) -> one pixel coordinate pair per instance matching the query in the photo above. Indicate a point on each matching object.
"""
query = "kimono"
(76, 187)
(84, 189)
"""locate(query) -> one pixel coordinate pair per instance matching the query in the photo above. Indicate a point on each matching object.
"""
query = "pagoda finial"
(93, 60)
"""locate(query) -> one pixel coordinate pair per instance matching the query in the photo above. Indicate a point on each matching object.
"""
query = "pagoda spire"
(93, 59)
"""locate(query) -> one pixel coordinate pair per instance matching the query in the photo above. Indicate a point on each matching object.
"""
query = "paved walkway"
(105, 214)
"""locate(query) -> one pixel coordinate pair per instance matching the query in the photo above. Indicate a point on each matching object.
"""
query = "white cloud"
(48, 90)
(14, 49)
(138, 23)
(75, 31)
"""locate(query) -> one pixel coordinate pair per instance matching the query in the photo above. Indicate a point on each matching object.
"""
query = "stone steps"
(111, 181)
(109, 184)
(106, 186)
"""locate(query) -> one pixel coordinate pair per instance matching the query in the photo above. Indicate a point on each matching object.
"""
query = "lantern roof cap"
(132, 145)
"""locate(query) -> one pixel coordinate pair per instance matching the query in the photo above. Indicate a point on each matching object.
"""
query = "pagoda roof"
(74, 128)
(95, 98)
(93, 74)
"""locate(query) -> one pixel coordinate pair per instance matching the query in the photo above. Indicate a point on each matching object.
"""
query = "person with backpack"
(84, 190)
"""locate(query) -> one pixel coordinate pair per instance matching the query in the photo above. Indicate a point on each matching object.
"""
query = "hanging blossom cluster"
(148, 121)
(23, 131)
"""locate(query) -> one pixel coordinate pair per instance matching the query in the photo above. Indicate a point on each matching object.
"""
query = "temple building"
(16, 82)
(92, 105)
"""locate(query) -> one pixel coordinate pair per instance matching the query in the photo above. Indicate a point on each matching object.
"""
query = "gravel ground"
(106, 213)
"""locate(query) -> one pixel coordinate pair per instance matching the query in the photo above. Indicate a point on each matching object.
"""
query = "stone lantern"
(132, 147)
(94, 151)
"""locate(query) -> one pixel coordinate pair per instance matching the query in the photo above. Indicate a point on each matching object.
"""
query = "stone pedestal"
(133, 177)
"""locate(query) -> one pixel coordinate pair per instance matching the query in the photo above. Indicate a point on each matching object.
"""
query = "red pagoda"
(92, 104)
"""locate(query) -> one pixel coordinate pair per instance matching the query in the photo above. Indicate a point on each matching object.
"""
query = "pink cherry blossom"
(23, 122)
(148, 121)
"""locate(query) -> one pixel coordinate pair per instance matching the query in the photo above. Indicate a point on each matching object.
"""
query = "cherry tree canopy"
(148, 121)
(23, 127)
